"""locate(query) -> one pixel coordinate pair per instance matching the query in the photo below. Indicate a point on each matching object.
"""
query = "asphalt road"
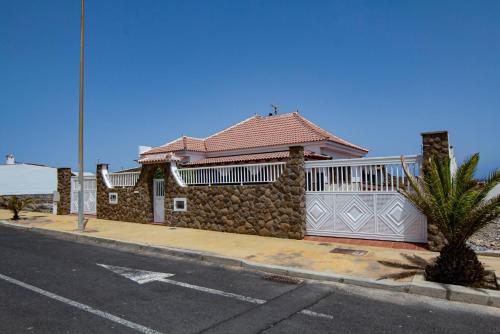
(53, 286)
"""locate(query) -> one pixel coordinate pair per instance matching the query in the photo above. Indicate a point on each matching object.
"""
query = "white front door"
(159, 200)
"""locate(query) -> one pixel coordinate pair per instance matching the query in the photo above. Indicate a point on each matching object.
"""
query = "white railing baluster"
(397, 177)
(350, 179)
(125, 179)
(403, 177)
(359, 174)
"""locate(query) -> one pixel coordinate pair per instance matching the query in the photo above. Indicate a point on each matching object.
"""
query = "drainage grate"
(348, 251)
(283, 279)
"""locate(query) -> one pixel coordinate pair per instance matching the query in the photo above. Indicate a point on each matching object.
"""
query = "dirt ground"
(487, 238)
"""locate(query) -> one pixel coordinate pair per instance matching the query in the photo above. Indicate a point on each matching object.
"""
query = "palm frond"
(485, 213)
(417, 260)
(465, 173)
(399, 265)
(489, 183)
(400, 275)
(456, 204)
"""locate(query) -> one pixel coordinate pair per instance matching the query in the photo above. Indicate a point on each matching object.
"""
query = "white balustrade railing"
(233, 174)
(383, 174)
(127, 179)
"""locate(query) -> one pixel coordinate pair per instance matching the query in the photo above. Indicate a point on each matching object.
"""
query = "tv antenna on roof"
(275, 108)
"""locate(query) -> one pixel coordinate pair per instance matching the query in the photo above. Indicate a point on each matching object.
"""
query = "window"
(180, 204)
(113, 198)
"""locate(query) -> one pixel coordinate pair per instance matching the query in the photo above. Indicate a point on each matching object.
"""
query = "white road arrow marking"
(136, 275)
(144, 276)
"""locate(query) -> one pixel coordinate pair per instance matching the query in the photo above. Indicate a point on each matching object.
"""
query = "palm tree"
(16, 205)
(457, 205)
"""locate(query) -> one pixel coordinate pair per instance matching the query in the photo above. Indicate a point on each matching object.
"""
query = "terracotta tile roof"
(257, 131)
(253, 157)
(157, 158)
(183, 143)
(262, 131)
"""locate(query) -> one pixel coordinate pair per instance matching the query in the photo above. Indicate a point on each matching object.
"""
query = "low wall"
(135, 204)
(276, 209)
(41, 202)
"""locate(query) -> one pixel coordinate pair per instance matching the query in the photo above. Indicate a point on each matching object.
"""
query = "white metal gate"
(159, 200)
(358, 198)
(89, 195)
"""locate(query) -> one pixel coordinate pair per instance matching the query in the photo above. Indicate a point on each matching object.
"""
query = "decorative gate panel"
(89, 195)
(358, 198)
(367, 216)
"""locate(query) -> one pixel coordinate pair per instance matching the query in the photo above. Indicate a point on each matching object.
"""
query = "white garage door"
(358, 198)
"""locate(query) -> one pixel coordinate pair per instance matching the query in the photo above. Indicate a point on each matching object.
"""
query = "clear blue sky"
(374, 72)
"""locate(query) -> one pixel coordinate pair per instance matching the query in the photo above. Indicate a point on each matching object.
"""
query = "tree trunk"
(458, 264)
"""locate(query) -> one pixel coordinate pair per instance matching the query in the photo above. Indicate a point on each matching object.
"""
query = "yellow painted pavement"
(303, 254)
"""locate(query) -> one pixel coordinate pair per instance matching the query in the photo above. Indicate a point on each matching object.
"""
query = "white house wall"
(322, 147)
(494, 192)
(27, 179)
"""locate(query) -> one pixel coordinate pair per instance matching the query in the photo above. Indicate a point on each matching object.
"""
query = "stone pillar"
(64, 189)
(101, 193)
(434, 145)
(297, 179)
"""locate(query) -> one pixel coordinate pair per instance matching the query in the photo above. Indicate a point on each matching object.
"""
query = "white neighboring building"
(26, 179)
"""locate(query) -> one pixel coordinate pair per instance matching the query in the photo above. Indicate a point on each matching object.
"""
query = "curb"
(491, 253)
(417, 286)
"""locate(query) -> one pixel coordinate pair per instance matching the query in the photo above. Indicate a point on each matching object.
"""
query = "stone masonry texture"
(434, 145)
(276, 209)
(135, 204)
(64, 189)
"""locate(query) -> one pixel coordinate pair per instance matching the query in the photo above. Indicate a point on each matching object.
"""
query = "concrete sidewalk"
(299, 254)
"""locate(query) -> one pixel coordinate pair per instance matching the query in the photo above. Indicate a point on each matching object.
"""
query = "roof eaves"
(328, 136)
(299, 143)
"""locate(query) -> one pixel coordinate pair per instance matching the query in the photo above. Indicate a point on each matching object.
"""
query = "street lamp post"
(80, 225)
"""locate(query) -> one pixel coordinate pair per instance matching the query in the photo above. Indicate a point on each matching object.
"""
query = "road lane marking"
(236, 296)
(316, 314)
(145, 276)
(81, 306)
(214, 291)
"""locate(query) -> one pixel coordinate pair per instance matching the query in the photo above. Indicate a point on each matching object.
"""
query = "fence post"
(434, 144)
(64, 190)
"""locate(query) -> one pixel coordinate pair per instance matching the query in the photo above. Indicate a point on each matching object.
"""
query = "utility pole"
(80, 225)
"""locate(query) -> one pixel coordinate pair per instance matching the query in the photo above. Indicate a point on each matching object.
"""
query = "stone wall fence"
(275, 209)
(134, 204)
